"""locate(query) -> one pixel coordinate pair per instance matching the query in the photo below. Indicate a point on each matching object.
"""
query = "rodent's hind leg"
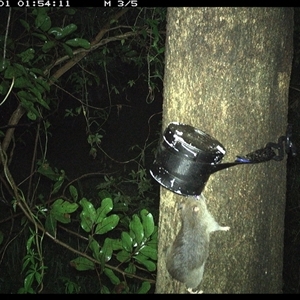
(190, 290)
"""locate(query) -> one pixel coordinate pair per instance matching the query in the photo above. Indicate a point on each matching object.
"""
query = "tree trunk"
(227, 73)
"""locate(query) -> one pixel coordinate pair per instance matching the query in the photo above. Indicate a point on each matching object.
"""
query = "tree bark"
(227, 73)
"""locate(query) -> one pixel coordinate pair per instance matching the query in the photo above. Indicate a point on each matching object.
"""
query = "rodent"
(186, 257)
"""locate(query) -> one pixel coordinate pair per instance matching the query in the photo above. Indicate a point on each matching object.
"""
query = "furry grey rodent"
(186, 257)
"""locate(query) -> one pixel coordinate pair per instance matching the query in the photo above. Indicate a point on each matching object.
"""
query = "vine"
(107, 234)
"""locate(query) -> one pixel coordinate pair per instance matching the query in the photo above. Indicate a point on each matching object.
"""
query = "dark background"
(133, 121)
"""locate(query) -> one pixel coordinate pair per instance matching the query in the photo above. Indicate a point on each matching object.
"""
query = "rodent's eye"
(196, 208)
(180, 205)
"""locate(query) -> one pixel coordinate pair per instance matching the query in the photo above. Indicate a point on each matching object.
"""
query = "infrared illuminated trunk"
(227, 73)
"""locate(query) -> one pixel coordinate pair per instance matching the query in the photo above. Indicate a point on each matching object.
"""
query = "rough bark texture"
(227, 73)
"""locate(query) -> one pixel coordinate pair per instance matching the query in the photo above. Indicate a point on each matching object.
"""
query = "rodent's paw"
(190, 290)
(225, 228)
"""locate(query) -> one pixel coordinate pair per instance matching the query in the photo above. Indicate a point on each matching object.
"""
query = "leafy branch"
(120, 246)
(141, 235)
(20, 111)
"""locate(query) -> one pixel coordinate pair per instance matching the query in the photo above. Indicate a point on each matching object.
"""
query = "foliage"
(109, 235)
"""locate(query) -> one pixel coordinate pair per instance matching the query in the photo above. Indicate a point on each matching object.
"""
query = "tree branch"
(20, 111)
(14, 120)
(94, 45)
(21, 202)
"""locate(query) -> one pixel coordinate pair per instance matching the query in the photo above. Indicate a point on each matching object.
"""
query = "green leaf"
(38, 97)
(112, 276)
(50, 224)
(106, 251)
(27, 259)
(28, 105)
(35, 92)
(46, 24)
(3, 64)
(60, 33)
(31, 116)
(68, 50)
(10, 42)
(56, 31)
(144, 289)
(40, 36)
(150, 265)
(27, 55)
(149, 252)
(21, 68)
(107, 224)
(47, 171)
(153, 241)
(25, 24)
(123, 256)
(104, 194)
(4, 87)
(131, 268)
(95, 247)
(23, 291)
(78, 42)
(131, 53)
(29, 242)
(116, 244)
(68, 30)
(22, 82)
(148, 222)
(59, 182)
(43, 84)
(25, 96)
(61, 210)
(73, 192)
(40, 18)
(121, 207)
(64, 207)
(48, 45)
(12, 71)
(104, 209)
(28, 281)
(38, 277)
(127, 241)
(70, 11)
(82, 264)
(161, 50)
(104, 290)
(88, 215)
(137, 229)
(38, 72)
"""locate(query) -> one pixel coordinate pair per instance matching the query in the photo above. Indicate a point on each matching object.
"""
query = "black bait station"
(187, 156)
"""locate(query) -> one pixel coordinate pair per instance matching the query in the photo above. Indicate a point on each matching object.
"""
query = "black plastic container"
(185, 159)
